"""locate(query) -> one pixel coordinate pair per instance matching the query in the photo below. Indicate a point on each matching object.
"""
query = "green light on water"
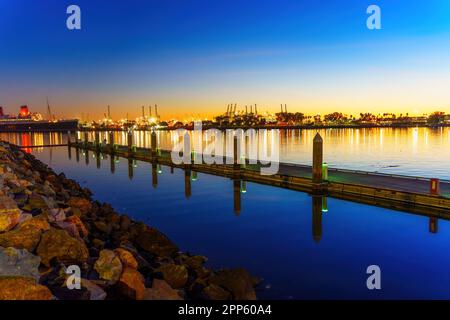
(243, 187)
(324, 204)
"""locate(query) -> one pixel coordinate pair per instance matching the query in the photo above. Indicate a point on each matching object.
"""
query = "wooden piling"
(187, 155)
(111, 141)
(86, 138)
(97, 140)
(435, 187)
(130, 141)
(153, 144)
(317, 159)
(236, 160)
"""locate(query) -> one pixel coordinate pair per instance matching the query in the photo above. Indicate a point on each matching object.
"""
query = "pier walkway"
(404, 193)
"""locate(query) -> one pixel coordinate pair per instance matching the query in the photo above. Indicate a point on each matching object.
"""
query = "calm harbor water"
(408, 151)
(283, 236)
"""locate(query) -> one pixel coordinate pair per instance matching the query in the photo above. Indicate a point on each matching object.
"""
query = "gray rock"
(19, 262)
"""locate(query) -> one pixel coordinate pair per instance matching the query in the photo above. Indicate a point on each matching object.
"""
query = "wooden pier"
(417, 195)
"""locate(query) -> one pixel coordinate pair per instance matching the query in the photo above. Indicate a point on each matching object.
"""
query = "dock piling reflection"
(154, 175)
(130, 169)
(237, 196)
(317, 201)
(187, 182)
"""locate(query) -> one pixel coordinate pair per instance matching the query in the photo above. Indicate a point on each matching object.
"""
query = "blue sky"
(194, 57)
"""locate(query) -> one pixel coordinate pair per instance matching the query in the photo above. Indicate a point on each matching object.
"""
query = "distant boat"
(33, 122)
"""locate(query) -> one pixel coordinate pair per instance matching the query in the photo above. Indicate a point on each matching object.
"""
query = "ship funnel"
(24, 112)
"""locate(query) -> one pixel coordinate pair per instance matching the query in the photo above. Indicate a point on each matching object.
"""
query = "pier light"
(325, 171)
(243, 162)
(159, 169)
(243, 186)
(194, 176)
(135, 164)
(324, 204)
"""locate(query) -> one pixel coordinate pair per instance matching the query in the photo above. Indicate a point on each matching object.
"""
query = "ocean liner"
(26, 121)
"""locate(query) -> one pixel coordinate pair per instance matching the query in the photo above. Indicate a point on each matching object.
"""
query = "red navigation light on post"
(435, 188)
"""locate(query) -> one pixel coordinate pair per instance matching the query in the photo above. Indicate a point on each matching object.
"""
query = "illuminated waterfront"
(408, 151)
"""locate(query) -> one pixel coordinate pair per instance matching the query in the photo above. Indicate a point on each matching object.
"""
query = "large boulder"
(26, 237)
(84, 205)
(39, 202)
(39, 221)
(238, 281)
(175, 275)
(18, 262)
(76, 221)
(127, 258)
(9, 213)
(214, 292)
(22, 288)
(108, 265)
(131, 284)
(59, 245)
(161, 290)
(96, 293)
(154, 242)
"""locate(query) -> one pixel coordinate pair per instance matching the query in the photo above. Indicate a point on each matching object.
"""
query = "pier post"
(187, 154)
(154, 175)
(130, 141)
(111, 141)
(86, 138)
(237, 196)
(97, 140)
(317, 159)
(435, 187)
(317, 218)
(69, 138)
(153, 144)
(236, 160)
(433, 225)
(77, 153)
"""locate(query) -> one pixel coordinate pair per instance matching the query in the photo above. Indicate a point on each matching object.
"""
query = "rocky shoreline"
(50, 226)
